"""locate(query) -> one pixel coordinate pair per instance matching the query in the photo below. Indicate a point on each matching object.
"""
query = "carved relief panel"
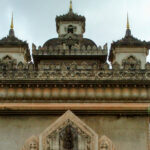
(31, 144)
(131, 63)
(105, 144)
(68, 137)
(69, 65)
(68, 133)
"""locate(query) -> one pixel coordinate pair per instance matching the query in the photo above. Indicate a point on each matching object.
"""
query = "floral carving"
(131, 63)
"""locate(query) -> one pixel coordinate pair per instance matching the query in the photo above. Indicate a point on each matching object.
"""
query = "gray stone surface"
(127, 133)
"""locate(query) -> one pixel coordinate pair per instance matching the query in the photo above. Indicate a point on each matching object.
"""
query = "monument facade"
(69, 98)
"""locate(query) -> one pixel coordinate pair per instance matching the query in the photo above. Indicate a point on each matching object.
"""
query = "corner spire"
(70, 8)
(128, 31)
(128, 25)
(11, 31)
(12, 22)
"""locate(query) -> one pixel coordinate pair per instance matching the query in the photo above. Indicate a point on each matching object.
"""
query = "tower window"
(70, 29)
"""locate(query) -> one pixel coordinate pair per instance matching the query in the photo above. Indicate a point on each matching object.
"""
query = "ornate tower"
(70, 47)
(129, 51)
(70, 23)
(73, 94)
(12, 49)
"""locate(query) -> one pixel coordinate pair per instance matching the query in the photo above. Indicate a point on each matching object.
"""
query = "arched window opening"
(70, 29)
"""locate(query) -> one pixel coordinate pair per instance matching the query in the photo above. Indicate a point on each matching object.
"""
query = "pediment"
(68, 132)
(80, 131)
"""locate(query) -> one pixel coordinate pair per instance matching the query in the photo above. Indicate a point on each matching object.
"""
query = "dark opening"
(70, 29)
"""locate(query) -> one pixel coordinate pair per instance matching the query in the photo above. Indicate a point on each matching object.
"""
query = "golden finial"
(128, 25)
(70, 5)
(12, 23)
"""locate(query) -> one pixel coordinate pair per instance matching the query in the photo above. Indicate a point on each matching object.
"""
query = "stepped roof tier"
(70, 16)
(14, 44)
(128, 41)
(12, 41)
(70, 42)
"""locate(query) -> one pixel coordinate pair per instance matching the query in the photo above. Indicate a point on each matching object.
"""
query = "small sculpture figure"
(104, 145)
(33, 46)
(68, 139)
(33, 145)
(105, 47)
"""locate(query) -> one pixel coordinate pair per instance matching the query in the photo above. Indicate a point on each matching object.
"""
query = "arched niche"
(66, 133)
(131, 62)
(69, 133)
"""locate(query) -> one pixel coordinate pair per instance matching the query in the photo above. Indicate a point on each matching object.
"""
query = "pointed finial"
(128, 25)
(128, 31)
(12, 23)
(70, 9)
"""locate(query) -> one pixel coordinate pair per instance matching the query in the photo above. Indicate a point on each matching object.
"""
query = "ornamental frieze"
(73, 72)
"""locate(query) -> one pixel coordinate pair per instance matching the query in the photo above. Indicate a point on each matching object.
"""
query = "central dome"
(59, 41)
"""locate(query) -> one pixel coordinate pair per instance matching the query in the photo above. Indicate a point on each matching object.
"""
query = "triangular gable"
(62, 121)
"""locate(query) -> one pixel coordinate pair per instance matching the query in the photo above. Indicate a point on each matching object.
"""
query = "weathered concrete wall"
(127, 133)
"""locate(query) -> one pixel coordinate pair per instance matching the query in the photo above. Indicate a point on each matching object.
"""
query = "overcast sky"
(34, 20)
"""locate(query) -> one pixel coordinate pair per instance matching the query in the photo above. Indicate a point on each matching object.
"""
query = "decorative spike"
(128, 25)
(12, 22)
(70, 9)
(128, 31)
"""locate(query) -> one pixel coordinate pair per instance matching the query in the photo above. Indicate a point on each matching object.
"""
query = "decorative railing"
(78, 51)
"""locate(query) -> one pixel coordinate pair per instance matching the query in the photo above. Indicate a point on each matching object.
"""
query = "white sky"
(34, 20)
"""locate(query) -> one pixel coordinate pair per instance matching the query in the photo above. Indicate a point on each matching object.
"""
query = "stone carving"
(64, 66)
(31, 144)
(72, 71)
(94, 48)
(83, 48)
(105, 144)
(33, 46)
(105, 66)
(84, 65)
(89, 47)
(147, 66)
(70, 47)
(30, 66)
(131, 63)
(115, 66)
(73, 66)
(105, 47)
(69, 136)
(69, 133)
(7, 58)
(77, 46)
(20, 66)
